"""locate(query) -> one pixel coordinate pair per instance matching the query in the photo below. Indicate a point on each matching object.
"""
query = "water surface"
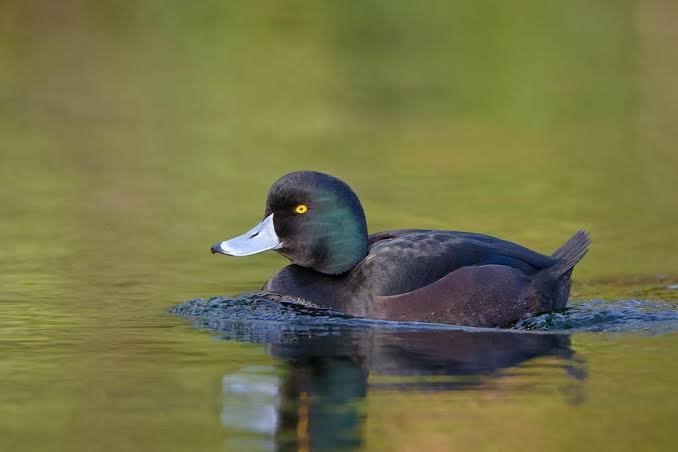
(135, 135)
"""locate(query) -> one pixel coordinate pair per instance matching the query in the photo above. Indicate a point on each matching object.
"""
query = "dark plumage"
(415, 275)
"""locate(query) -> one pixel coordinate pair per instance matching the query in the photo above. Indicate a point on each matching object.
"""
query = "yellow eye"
(301, 208)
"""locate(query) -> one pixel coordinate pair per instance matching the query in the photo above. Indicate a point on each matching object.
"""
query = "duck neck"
(339, 248)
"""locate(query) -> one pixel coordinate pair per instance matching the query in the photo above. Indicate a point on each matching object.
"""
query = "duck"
(409, 275)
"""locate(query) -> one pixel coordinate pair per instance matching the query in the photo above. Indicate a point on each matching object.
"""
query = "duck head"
(313, 219)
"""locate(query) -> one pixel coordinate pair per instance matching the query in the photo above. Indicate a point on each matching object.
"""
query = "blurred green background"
(160, 125)
(136, 133)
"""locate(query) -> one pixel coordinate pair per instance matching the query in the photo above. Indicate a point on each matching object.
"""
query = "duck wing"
(408, 259)
(471, 248)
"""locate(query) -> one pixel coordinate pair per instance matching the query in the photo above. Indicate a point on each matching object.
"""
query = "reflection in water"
(329, 370)
(332, 361)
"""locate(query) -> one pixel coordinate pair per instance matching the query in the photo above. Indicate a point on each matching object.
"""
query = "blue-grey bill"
(260, 238)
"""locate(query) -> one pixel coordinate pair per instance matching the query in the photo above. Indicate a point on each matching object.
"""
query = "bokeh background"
(136, 133)
(160, 126)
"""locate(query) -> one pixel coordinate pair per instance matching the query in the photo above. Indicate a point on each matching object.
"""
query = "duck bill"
(260, 238)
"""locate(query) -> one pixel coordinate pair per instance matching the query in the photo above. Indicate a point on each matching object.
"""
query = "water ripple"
(292, 315)
(608, 316)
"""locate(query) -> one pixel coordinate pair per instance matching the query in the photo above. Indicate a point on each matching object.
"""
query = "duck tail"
(572, 251)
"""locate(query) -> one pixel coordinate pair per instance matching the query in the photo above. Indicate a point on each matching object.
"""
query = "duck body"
(422, 275)
(438, 276)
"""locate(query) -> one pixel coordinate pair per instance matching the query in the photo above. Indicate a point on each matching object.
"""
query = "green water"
(134, 134)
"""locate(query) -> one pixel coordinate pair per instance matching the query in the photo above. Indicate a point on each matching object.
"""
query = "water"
(335, 363)
(135, 135)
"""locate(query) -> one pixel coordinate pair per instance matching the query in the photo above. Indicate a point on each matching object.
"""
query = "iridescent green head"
(313, 219)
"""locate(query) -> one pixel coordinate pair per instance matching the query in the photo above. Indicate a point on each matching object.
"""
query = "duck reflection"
(315, 405)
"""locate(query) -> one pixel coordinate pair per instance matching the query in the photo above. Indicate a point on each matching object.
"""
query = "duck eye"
(301, 208)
